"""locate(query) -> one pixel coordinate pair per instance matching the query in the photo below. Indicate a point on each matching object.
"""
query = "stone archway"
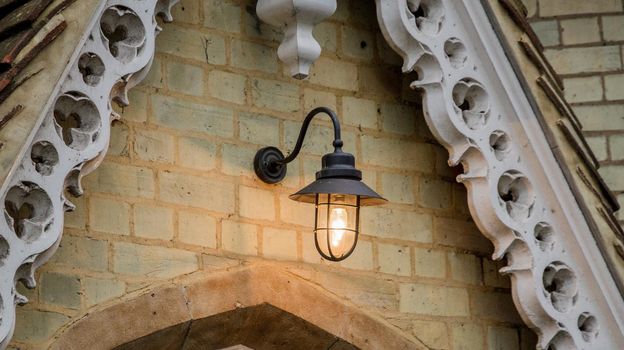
(198, 297)
(258, 327)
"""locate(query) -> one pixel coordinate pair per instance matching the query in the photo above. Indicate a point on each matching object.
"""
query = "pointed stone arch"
(200, 296)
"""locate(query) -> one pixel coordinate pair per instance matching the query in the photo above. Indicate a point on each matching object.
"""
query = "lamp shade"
(337, 193)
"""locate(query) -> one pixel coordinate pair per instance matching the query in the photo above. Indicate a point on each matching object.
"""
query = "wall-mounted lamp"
(338, 191)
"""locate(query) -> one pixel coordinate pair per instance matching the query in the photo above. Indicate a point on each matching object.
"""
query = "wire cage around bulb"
(336, 225)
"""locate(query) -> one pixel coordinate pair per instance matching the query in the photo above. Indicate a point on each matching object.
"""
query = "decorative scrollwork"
(70, 141)
(510, 175)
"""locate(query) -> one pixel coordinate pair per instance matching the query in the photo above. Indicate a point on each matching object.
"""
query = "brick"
(362, 12)
(400, 119)
(583, 89)
(584, 59)
(296, 213)
(396, 153)
(386, 53)
(60, 289)
(613, 86)
(357, 43)
(259, 129)
(335, 74)
(99, 290)
(239, 238)
(318, 139)
(613, 28)
(110, 216)
(380, 80)
(461, 234)
(37, 326)
(503, 338)
(197, 153)
(197, 229)
(547, 32)
(315, 98)
(118, 139)
(361, 258)
(154, 78)
(616, 145)
(276, 95)
(82, 253)
(528, 339)
(237, 160)
(612, 175)
(495, 306)
(255, 203)
(394, 259)
(152, 262)
(435, 193)
(279, 244)
(252, 56)
(397, 188)
(120, 179)
(491, 275)
(580, 30)
(569, 7)
(465, 268)
(601, 118)
(187, 116)
(392, 223)
(441, 165)
(531, 6)
(227, 86)
(429, 263)
(222, 15)
(309, 253)
(620, 213)
(78, 217)
(467, 336)
(195, 191)
(137, 110)
(154, 146)
(188, 43)
(598, 145)
(326, 35)
(185, 78)
(254, 27)
(187, 11)
(434, 334)
(433, 300)
(342, 13)
(359, 112)
(153, 222)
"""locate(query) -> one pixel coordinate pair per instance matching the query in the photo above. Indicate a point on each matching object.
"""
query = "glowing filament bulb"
(337, 223)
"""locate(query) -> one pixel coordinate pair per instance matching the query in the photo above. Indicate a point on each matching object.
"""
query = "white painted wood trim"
(55, 158)
(517, 193)
(299, 49)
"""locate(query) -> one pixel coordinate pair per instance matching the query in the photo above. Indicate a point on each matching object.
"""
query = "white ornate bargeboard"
(518, 196)
(71, 140)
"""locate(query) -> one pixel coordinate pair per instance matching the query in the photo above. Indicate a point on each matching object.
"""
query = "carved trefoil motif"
(70, 141)
(517, 194)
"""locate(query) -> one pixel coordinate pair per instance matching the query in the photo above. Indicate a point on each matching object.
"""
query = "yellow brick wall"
(584, 42)
(177, 192)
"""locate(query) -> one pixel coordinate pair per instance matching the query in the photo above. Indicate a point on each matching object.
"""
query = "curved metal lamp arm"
(270, 163)
(304, 129)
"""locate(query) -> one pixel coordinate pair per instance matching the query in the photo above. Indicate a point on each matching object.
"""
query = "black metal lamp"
(338, 191)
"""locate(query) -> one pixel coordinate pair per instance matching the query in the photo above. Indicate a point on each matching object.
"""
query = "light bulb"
(338, 219)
